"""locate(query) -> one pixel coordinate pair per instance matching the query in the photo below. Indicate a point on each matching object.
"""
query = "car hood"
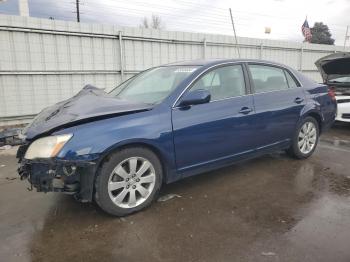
(89, 104)
(334, 66)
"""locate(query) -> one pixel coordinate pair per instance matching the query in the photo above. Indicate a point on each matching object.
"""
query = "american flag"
(306, 31)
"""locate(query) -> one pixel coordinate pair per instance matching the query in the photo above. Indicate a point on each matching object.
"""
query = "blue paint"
(190, 139)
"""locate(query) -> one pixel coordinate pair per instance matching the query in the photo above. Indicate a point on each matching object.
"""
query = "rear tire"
(305, 139)
(128, 181)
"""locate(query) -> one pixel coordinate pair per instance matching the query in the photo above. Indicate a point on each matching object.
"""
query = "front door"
(220, 129)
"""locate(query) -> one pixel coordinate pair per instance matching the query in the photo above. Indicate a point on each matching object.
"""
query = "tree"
(156, 22)
(321, 34)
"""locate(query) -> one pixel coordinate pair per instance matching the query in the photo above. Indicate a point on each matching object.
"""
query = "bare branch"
(145, 23)
(155, 23)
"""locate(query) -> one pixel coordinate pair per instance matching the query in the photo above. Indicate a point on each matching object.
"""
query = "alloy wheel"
(307, 137)
(131, 182)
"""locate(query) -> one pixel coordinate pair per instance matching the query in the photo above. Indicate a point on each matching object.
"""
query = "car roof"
(217, 61)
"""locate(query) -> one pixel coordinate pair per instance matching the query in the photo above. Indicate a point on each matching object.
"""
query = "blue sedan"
(171, 122)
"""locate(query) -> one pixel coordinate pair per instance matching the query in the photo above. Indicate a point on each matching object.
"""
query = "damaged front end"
(74, 172)
(58, 175)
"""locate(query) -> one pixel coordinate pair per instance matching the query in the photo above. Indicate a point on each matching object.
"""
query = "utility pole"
(346, 36)
(78, 11)
(234, 31)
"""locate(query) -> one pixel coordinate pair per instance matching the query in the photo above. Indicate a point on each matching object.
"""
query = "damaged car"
(168, 123)
(335, 71)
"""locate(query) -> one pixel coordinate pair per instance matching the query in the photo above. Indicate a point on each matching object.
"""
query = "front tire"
(128, 181)
(305, 139)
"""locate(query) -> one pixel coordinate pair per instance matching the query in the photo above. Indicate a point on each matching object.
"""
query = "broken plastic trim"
(44, 174)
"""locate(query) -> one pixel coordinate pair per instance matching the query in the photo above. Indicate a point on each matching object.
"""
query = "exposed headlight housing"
(47, 147)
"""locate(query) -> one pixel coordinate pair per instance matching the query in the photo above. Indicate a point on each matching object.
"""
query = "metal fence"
(45, 61)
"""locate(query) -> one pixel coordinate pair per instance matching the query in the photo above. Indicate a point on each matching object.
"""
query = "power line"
(220, 11)
(203, 17)
(191, 24)
(210, 15)
(218, 23)
(214, 17)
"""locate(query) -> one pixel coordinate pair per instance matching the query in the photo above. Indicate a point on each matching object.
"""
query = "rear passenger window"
(291, 81)
(268, 78)
(223, 82)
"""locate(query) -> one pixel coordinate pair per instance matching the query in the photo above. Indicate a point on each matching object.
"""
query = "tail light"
(331, 93)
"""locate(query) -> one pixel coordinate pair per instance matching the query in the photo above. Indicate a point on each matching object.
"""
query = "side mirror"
(196, 97)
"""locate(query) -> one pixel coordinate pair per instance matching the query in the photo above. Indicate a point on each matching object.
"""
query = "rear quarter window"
(292, 82)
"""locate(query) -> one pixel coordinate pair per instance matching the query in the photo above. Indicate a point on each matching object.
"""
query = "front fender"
(99, 138)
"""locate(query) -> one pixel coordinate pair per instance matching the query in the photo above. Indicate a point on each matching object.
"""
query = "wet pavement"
(273, 208)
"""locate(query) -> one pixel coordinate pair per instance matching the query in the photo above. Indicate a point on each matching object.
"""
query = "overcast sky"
(284, 17)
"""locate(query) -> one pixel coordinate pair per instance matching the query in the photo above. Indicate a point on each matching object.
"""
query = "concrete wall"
(45, 61)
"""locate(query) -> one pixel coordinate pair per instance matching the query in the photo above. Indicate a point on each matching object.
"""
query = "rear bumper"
(56, 175)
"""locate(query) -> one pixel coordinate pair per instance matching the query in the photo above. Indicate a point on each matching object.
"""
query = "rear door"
(217, 130)
(278, 100)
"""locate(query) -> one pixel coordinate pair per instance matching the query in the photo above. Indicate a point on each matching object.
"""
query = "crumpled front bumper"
(58, 175)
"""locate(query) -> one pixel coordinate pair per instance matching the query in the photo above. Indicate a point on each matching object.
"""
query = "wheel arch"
(315, 113)
(318, 118)
(130, 144)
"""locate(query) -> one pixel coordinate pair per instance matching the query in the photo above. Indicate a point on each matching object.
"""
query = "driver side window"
(223, 82)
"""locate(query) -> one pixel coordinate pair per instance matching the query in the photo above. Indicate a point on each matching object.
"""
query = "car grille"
(346, 116)
(343, 101)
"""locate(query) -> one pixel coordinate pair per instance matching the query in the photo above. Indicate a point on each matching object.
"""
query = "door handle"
(298, 100)
(245, 110)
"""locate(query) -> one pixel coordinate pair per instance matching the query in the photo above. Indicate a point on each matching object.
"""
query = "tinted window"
(268, 78)
(291, 81)
(223, 82)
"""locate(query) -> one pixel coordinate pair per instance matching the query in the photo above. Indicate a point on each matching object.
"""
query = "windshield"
(154, 85)
(342, 79)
